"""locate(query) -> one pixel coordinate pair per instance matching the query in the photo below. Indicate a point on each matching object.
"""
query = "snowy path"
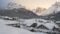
(4, 29)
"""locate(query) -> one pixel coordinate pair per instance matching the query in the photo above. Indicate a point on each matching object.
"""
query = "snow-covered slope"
(4, 29)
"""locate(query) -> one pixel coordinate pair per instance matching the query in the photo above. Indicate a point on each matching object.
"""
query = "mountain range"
(21, 13)
(53, 13)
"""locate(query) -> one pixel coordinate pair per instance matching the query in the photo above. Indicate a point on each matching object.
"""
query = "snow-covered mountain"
(55, 8)
(56, 12)
(53, 13)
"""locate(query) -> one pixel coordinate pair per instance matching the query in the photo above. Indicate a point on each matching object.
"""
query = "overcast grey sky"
(30, 4)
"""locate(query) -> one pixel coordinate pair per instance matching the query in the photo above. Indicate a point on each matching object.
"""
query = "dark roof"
(42, 27)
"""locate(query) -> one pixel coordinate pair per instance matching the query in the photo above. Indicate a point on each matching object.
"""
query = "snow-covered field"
(4, 29)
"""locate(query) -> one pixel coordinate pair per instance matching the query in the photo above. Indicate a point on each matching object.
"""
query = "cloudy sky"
(30, 4)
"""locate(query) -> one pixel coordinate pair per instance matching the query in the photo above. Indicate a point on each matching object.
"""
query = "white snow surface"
(4, 29)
